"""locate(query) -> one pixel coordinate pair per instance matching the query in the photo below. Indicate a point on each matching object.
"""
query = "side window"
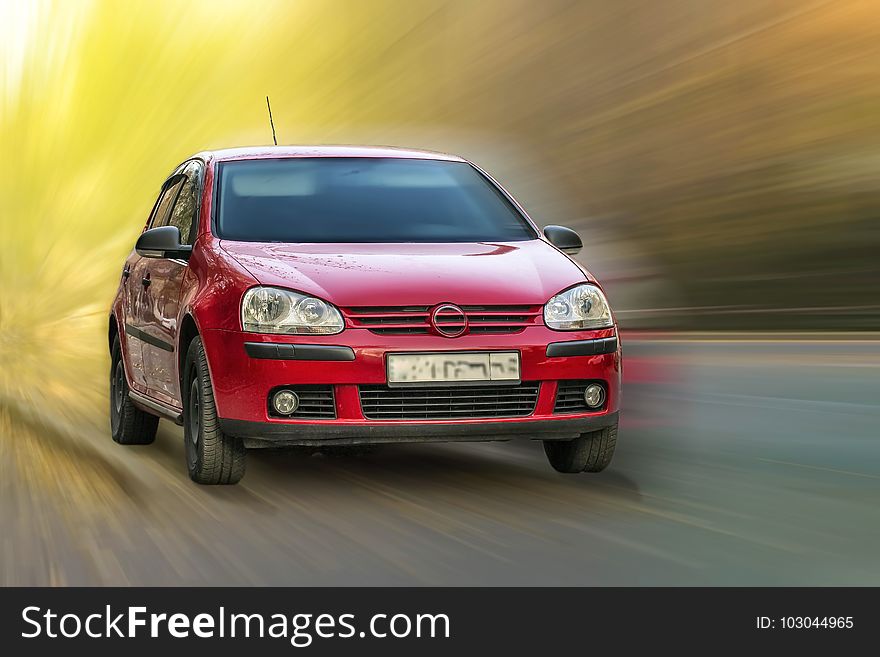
(163, 205)
(184, 213)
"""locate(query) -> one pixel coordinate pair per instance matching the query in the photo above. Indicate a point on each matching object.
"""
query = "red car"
(342, 296)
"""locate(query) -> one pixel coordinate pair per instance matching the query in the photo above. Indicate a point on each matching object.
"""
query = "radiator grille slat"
(415, 320)
(379, 402)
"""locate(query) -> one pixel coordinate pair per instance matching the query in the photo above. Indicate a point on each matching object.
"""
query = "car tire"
(129, 425)
(590, 452)
(212, 457)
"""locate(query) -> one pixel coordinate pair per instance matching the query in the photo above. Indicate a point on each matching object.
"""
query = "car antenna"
(271, 122)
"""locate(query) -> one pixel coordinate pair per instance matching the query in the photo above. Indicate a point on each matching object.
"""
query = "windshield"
(361, 199)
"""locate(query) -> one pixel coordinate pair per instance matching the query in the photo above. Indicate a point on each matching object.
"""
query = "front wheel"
(590, 452)
(212, 457)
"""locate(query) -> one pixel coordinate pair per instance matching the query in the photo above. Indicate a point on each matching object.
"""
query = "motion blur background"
(719, 158)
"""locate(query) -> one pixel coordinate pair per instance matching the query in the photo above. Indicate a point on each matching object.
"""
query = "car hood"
(480, 273)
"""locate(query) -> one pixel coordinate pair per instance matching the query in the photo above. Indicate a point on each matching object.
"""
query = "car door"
(144, 313)
(166, 277)
(134, 272)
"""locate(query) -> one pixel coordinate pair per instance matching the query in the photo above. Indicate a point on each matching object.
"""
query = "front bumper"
(273, 434)
(244, 372)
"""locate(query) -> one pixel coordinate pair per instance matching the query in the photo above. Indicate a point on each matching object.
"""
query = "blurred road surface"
(739, 463)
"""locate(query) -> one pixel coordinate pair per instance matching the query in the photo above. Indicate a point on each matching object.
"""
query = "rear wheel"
(590, 452)
(212, 457)
(129, 425)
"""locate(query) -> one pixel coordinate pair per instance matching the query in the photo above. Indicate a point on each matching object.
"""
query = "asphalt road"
(739, 462)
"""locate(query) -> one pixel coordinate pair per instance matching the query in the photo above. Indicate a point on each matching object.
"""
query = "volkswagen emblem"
(449, 320)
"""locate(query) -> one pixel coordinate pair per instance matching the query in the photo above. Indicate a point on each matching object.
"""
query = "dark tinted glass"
(166, 199)
(184, 212)
(363, 200)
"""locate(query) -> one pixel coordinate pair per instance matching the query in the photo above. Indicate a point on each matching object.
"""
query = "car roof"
(270, 152)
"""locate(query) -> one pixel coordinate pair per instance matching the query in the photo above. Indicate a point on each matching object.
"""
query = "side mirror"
(162, 242)
(564, 239)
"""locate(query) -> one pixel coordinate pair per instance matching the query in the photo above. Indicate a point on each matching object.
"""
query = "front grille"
(570, 397)
(415, 320)
(380, 402)
(315, 402)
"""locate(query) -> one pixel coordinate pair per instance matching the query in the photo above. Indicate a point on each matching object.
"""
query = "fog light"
(594, 395)
(285, 402)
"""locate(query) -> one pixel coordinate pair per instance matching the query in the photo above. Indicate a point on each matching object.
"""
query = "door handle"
(145, 281)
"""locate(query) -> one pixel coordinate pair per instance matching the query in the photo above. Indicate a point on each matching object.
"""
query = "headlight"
(581, 307)
(274, 310)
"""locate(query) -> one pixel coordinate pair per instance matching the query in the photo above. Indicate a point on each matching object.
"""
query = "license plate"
(453, 367)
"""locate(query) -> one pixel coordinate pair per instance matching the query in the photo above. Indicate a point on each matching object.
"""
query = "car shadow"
(510, 468)
(476, 467)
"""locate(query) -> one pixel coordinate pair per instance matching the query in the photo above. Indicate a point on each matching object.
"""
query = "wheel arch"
(189, 330)
(112, 331)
